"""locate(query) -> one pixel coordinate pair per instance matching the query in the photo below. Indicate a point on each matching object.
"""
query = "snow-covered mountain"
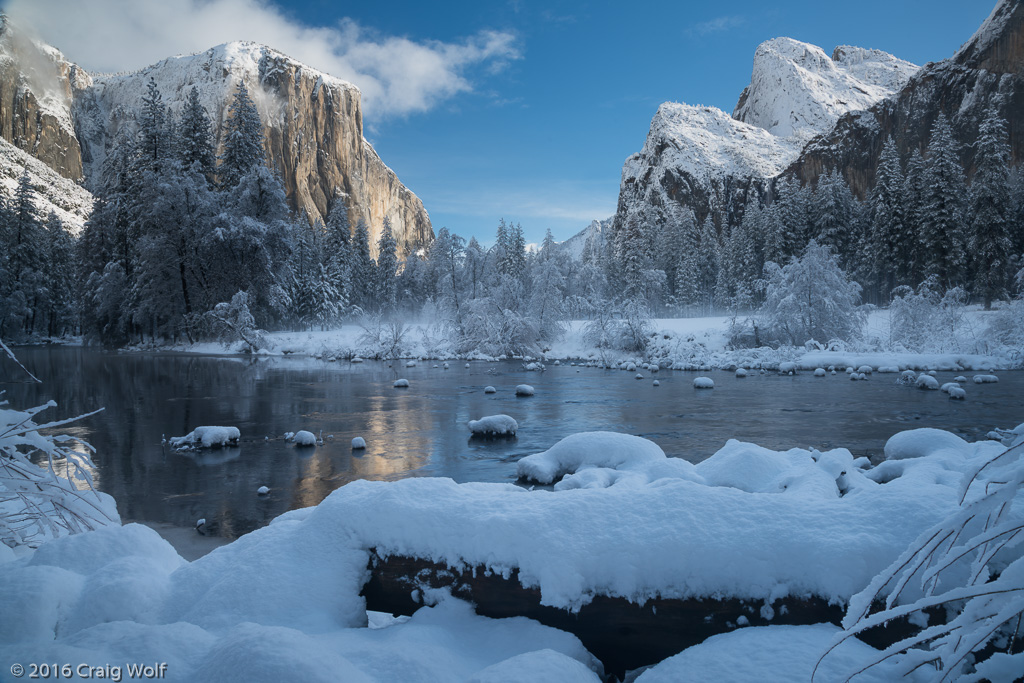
(987, 70)
(70, 201)
(697, 157)
(797, 91)
(313, 122)
(589, 239)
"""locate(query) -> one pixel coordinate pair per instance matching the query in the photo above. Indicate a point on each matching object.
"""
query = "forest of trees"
(184, 245)
(921, 223)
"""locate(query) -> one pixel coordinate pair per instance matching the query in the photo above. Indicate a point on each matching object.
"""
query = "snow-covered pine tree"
(195, 137)
(942, 210)
(632, 261)
(687, 270)
(154, 145)
(708, 264)
(515, 256)
(363, 271)
(387, 268)
(60, 309)
(243, 139)
(912, 254)
(338, 254)
(794, 202)
(989, 244)
(887, 220)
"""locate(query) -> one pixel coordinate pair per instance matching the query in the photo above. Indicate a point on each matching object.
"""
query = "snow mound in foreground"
(494, 425)
(207, 437)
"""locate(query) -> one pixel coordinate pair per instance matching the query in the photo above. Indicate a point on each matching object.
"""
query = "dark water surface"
(421, 431)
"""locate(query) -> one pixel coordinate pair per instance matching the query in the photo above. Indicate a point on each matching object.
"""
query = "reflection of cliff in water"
(422, 431)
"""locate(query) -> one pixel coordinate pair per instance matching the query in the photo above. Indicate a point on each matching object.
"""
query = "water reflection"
(421, 431)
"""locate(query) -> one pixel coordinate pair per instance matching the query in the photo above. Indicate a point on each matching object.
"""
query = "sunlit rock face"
(313, 123)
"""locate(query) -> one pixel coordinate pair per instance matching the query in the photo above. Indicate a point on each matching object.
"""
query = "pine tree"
(338, 253)
(61, 274)
(243, 139)
(887, 216)
(708, 263)
(515, 256)
(793, 201)
(912, 255)
(363, 271)
(195, 137)
(154, 144)
(942, 208)
(632, 261)
(387, 268)
(990, 245)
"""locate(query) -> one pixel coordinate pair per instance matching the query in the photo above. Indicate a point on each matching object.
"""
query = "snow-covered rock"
(819, 372)
(494, 425)
(207, 437)
(703, 383)
(304, 438)
(358, 443)
(262, 491)
(957, 393)
(985, 379)
(588, 450)
(401, 384)
(926, 382)
(490, 390)
(524, 390)
(741, 372)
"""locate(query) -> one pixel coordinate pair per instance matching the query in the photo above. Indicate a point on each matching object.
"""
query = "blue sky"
(542, 141)
(519, 109)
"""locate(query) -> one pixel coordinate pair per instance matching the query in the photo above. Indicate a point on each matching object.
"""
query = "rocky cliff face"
(987, 70)
(312, 122)
(702, 159)
(37, 86)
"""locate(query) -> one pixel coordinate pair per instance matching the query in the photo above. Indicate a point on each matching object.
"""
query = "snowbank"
(625, 520)
(207, 437)
(494, 425)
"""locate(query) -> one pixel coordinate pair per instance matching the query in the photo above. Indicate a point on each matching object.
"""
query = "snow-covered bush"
(971, 565)
(233, 321)
(622, 327)
(926, 319)
(811, 298)
(384, 338)
(38, 503)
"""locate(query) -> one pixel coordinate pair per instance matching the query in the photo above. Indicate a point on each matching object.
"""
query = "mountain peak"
(797, 90)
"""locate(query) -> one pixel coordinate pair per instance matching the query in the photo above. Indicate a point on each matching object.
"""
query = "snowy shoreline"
(676, 343)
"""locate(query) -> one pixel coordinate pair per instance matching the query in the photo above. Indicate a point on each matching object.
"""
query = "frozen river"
(421, 431)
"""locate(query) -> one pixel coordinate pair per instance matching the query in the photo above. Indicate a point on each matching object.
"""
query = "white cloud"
(716, 25)
(396, 75)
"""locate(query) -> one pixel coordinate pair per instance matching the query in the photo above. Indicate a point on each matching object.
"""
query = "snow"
(771, 653)
(985, 379)
(625, 520)
(207, 437)
(358, 443)
(494, 425)
(819, 372)
(957, 393)
(926, 382)
(70, 201)
(263, 490)
(741, 372)
(588, 450)
(304, 438)
(524, 390)
(401, 384)
(490, 390)
(797, 91)
(703, 383)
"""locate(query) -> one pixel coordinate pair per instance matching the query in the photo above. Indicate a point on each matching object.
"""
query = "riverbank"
(701, 343)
